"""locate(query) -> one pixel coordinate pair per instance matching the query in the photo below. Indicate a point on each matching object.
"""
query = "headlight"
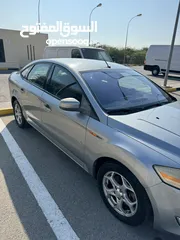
(169, 175)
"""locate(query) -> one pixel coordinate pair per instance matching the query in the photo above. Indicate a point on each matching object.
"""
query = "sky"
(155, 26)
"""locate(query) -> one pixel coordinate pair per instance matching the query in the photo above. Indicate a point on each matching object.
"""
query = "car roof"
(79, 65)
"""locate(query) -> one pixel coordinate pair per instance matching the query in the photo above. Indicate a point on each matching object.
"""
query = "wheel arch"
(156, 66)
(102, 160)
(13, 98)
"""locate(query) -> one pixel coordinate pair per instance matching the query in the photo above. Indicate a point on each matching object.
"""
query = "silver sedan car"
(116, 124)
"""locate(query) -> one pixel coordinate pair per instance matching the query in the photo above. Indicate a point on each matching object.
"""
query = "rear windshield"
(97, 54)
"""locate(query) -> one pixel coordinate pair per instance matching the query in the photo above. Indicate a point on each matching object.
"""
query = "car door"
(32, 90)
(66, 129)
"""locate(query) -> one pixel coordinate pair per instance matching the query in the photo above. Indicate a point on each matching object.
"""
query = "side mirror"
(69, 104)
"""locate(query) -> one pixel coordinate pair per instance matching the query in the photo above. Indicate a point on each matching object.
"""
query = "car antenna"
(105, 61)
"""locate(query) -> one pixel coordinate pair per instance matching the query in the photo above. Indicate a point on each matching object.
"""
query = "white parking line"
(53, 214)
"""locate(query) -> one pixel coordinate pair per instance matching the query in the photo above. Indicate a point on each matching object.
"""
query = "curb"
(6, 111)
(170, 89)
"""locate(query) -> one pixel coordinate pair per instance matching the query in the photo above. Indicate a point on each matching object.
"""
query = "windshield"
(97, 54)
(122, 91)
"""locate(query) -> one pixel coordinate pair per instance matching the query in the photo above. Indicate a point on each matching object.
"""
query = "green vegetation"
(133, 56)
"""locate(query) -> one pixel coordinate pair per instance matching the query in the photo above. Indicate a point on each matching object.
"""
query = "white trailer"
(157, 58)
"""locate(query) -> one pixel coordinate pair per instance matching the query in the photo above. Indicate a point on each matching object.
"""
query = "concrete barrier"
(6, 111)
(171, 89)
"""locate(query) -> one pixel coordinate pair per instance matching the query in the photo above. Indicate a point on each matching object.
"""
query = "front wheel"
(122, 193)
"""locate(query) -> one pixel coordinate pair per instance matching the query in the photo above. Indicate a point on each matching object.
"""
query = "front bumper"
(165, 202)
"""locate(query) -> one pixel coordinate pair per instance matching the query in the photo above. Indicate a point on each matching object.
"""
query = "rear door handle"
(47, 107)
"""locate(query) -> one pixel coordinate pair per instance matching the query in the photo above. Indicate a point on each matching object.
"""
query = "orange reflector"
(168, 177)
(94, 134)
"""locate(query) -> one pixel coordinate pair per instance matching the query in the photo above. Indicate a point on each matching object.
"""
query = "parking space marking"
(53, 214)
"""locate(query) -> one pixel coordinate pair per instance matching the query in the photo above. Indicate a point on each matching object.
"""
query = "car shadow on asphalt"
(74, 191)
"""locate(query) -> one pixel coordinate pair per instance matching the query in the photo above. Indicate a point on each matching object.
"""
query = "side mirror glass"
(69, 104)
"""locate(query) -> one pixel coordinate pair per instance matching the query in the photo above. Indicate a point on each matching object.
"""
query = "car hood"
(158, 128)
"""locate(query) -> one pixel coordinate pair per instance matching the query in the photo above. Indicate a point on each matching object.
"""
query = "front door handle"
(22, 90)
(47, 107)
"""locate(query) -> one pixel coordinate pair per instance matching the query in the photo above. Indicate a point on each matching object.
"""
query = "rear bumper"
(165, 202)
(148, 67)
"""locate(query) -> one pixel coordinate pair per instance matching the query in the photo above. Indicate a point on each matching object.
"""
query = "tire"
(18, 115)
(140, 209)
(155, 71)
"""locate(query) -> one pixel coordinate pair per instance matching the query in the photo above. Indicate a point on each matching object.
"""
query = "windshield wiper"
(125, 98)
(124, 111)
(158, 104)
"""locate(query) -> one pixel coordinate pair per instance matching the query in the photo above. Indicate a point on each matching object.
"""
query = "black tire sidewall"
(157, 69)
(141, 212)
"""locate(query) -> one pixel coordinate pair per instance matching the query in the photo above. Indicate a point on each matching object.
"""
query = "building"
(16, 52)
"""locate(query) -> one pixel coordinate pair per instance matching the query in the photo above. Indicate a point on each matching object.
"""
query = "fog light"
(178, 220)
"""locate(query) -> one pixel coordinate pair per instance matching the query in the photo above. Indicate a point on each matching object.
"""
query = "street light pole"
(139, 15)
(39, 19)
(172, 46)
(99, 5)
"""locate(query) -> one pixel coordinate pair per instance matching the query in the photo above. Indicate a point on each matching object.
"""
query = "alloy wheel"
(120, 194)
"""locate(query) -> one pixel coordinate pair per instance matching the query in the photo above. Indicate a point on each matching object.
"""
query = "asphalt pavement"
(173, 80)
(73, 190)
(26, 215)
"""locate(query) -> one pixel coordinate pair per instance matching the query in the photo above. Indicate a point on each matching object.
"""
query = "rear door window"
(25, 72)
(38, 75)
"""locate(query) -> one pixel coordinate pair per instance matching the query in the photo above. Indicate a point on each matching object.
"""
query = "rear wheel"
(155, 71)
(122, 193)
(18, 114)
